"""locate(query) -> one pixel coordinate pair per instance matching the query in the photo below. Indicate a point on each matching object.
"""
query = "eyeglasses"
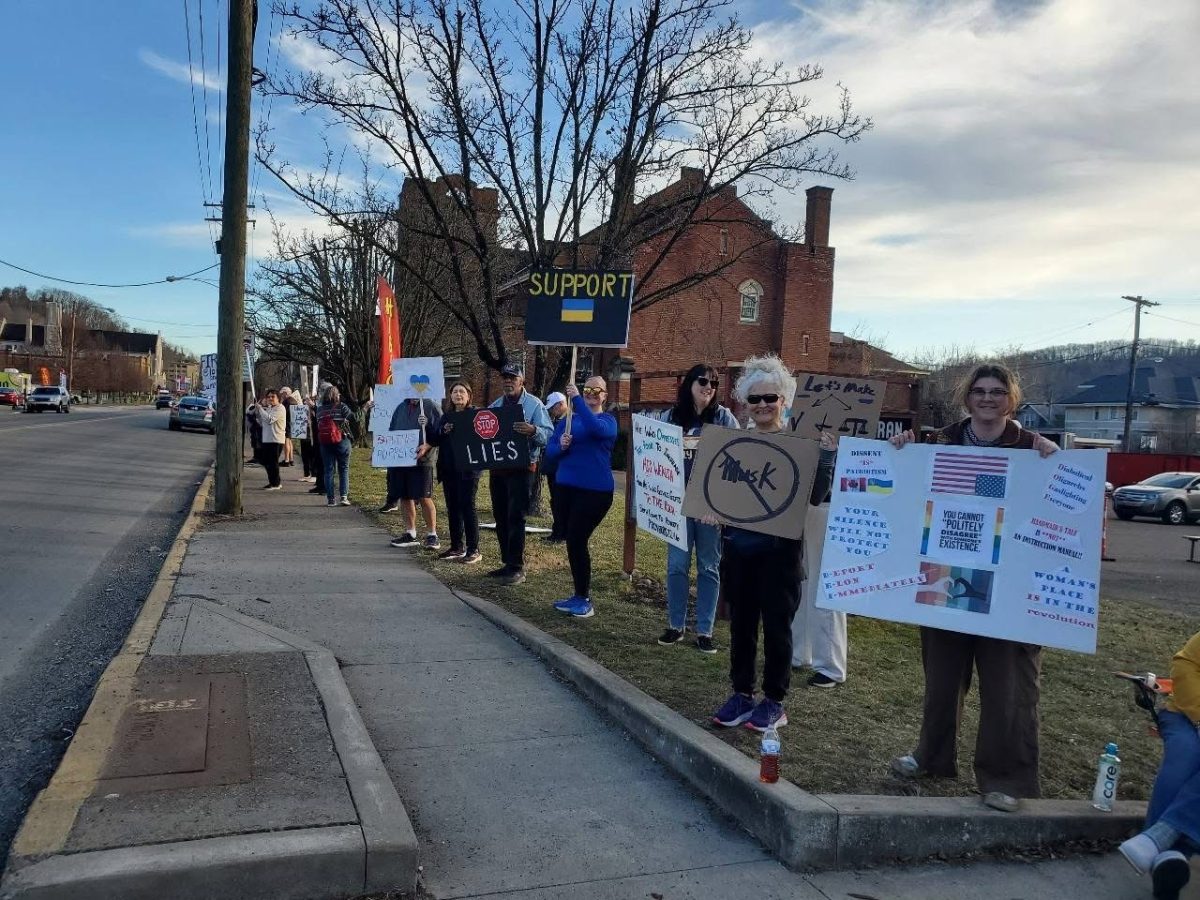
(594, 391)
(994, 393)
(755, 399)
(714, 383)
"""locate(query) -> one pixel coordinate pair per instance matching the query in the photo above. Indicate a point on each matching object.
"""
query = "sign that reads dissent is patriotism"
(585, 308)
(484, 439)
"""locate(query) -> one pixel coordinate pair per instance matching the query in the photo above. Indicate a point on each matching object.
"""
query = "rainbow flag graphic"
(580, 309)
(928, 527)
(996, 537)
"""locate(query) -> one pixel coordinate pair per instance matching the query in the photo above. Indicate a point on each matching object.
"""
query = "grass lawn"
(840, 740)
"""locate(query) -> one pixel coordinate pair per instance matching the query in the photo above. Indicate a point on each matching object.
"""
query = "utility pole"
(232, 303)
(1138, 303)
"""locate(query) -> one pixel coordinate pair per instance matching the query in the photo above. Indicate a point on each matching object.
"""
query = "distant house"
(902, 397)
(146, 349)
(1166, 410)
(1040, 416)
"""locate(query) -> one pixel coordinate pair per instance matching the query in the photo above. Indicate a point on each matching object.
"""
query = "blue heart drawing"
(420, 383)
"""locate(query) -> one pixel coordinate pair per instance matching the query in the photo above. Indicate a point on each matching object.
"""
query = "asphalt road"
(1150, 565)
(89, 504)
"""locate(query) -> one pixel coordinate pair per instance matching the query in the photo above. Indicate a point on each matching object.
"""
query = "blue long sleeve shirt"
(587, 463)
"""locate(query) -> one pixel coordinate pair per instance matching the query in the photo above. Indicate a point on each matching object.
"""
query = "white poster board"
(419, 378)
(999, 543)
(299, 422)
(208, 376)
(395, 448)
(658, 479)
(386, 398)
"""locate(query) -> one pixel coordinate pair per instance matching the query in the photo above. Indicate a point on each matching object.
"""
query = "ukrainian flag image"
(580, 309)
(879, 486)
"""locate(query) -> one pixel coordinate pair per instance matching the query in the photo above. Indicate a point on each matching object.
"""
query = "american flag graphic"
(976, 476)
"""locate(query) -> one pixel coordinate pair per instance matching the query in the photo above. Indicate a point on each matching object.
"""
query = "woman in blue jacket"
(585, 480)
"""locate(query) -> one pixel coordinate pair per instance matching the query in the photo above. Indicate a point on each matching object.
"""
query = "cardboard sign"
(999, 543)
(385, 399)
(484, 439)
(419, 378)
(208, 376)
(849, 407)
(299, 422)
(658, 486)
(756, 481)
(395, 448)
(585, 308)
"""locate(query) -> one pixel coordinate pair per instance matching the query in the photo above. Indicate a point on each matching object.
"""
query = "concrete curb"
(807, 831)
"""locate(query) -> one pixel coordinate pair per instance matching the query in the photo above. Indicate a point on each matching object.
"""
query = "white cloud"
(180, 71)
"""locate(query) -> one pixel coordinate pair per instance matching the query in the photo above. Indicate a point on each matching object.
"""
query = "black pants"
(583, 510)
(558, 531)
(510, 504)
(761, 587)
(268, 455)
(460, 507)
(310, 457)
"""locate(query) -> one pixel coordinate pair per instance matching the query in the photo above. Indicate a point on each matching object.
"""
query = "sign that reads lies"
(658, 485)
(585, 308)
(484, 439)
(845, 406)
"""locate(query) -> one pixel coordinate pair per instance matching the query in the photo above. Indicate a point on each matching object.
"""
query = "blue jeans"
(706, 541)
(337, 455)
(1176, 796)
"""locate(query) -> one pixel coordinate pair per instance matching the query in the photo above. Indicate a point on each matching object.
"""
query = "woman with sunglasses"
(695, 406)
(585, 482)
(1006, 749)
(764, 574)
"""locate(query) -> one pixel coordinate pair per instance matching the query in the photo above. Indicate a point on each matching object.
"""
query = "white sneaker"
(345, 501)
(1139, 851)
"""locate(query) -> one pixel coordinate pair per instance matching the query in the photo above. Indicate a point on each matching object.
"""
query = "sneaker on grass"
(704, 643)
(736, 710)
(514, 577)
(432, 542)
(501, 572)
(906, 766)
(671, 636)
(821, 680)
(452, 553)
(472, 557)
(564, 605)
(580, 608)
(389, 507)
(407, 539)
(767, 713)
(345, 501)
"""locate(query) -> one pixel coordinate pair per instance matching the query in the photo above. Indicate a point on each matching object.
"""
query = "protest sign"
(484, 439)
(386, 398)
(395, 448)
(1008, 543)
(757, 481)
(208, 375)
(845, 406)
(659, 480)
(419, 378)
(299, 422)
(584, 308)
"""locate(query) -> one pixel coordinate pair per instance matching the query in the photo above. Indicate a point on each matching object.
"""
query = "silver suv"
(41, 399)
(1173, 497)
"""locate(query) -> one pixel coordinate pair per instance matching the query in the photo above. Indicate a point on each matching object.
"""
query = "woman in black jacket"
(458, 485)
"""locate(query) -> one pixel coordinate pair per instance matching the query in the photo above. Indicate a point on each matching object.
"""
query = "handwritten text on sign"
(395, 448)
(658, 479)
(837, 404)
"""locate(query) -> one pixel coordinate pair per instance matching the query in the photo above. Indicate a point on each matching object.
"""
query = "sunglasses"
(594, 391)
(714, 383)
(755, 399)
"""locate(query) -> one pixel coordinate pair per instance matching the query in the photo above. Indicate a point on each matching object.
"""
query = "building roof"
(1152, 384)
(125, 341)
(882, 362)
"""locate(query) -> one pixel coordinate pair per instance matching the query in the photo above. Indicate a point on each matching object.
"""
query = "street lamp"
(171, 279)
(71, 358)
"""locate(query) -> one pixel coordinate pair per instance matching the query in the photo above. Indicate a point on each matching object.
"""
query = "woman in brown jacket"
(1006, 750)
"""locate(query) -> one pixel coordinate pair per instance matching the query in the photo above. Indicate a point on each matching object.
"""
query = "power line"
(205, 190)
(1170, 319)
(98, 284)
(204, 88)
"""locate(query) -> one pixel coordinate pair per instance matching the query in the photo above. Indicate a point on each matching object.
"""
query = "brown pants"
(1006, 751)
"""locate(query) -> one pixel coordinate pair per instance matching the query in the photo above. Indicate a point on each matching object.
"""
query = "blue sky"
(1031, 162)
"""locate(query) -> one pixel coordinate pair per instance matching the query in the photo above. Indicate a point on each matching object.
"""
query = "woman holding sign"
(585, 482)
(1006, 750)
(458, 485)
(763, 573)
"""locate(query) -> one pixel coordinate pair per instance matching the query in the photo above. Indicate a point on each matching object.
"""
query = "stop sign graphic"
(487, 426)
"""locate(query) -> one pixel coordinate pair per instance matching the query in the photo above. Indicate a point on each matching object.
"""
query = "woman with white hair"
(761, 573)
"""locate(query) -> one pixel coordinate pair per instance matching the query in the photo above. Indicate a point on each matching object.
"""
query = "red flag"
(389, 331)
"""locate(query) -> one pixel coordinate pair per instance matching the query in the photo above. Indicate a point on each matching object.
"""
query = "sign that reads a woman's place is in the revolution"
(588, 308)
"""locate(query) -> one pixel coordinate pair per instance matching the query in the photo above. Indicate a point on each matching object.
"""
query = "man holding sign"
(410, 485)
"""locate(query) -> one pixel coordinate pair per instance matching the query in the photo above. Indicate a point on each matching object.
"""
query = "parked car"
(1173, 497)
(41, 399)
(164, 400)
(193, 412)
(10, 396)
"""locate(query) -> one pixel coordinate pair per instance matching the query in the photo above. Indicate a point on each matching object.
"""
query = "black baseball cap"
(512, 370)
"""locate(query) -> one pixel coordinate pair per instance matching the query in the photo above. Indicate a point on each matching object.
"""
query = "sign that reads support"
(756, 481)
(658, 485)
(484, 439)
(844, 406)
(395, 448)
(584, 308)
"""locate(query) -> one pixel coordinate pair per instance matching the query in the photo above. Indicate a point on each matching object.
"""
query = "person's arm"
(541, 424)
(726, 419)
(589, 423)
(824, 479)
(554, 448)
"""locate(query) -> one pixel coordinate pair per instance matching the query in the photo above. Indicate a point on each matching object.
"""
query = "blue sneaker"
(768, 712)
(737, 709)
(564, 606)
(581, 608)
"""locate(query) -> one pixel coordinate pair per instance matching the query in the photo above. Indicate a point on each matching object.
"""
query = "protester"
(255, 430)
(288, 401)
(309, 454)
(458, 485)
(409, 485)
(509, 488)
(1006, 749)
(316, 463)
(334, 422)
(585, 483)
(271, 418)
(763, 574)
(556, 407)
(1173, 817)
(695, 406)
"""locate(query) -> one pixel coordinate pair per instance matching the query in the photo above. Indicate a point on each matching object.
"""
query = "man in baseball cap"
(556, 406)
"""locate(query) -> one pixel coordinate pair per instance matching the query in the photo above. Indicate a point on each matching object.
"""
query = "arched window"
(751, 295)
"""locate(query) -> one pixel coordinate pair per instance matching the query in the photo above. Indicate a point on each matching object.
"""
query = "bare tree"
(575, 112)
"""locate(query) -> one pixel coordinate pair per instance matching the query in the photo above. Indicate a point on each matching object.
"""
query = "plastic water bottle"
(1106, 779)
(768, 763)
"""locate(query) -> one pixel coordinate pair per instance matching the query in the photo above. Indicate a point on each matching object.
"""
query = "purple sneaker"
(768, 712)
(737, 709)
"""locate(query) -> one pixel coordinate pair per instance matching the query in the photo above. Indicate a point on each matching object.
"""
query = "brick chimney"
(816, 216)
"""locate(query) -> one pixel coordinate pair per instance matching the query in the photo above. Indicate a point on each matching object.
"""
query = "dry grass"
(840, 740)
